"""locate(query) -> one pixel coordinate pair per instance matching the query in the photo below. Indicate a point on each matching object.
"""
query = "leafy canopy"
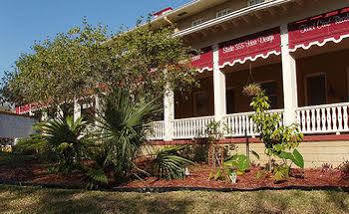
(86, 59)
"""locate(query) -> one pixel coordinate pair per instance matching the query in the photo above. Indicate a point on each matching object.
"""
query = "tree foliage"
(86, 59)
(280, 141)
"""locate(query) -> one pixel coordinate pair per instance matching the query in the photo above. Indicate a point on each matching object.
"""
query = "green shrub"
(30, 146)
(67, 141)
(122, 128)
(279, 140)
(238, 163)
(169, 164)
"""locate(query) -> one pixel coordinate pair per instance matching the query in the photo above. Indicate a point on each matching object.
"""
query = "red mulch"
(200, 173)
(38, 174)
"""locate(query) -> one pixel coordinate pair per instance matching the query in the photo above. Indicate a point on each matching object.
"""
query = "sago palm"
(66, 139)
(169, 164)
(122, 127)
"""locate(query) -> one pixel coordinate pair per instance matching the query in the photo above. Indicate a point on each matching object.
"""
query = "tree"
(279, 140)
(86, 59)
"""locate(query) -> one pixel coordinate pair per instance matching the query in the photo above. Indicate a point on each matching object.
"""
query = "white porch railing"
(157, 131)
(191, 127)
(241, 125)
(332, 118)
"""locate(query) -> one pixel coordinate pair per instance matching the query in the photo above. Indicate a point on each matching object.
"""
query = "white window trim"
(306, 85)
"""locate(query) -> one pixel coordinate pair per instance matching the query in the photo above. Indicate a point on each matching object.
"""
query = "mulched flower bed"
(200, 174)
(36, 173)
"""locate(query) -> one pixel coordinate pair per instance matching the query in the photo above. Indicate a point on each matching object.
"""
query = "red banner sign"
(27, 108)
(318, 30)
(23, 109)
(204, 60)
(250, 47)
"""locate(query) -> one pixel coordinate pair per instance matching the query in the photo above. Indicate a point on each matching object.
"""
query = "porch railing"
(157, 131)
(241, 124)
(191, 127)
(332, 118)
(321, 119)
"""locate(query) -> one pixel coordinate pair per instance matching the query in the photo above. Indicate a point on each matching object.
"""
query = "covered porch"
(304, 71)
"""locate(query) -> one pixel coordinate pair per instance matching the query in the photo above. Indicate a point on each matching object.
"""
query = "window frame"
(306, 86)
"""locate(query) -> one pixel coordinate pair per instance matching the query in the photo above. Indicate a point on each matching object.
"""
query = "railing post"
(168, 113)
(218, 87)
(289, 77)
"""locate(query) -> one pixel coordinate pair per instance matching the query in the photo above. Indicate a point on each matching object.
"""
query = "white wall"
(13, 126)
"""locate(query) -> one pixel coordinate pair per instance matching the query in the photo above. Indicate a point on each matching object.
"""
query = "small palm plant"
(170, 164)
(66, 140)
(122, 127)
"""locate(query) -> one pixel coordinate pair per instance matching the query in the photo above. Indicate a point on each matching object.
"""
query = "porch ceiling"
(250, 18)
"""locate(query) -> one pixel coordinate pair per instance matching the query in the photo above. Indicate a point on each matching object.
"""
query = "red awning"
(204, 60)
(319, 30)
(250, 47)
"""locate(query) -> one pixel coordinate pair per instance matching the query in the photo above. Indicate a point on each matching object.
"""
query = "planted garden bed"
(34, 172)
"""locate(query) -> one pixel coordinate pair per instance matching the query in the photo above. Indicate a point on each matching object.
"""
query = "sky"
(22, 22)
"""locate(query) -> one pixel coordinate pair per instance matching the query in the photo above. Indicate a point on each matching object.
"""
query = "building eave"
(231, 16)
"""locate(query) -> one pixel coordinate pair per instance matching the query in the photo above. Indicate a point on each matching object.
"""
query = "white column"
(97, 107)
(44, 115)
(169, 113)
(289, 77)
(77, 109)
(59, 113)
(219, 88)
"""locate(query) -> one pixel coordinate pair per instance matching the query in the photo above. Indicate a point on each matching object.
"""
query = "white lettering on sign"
(249, 43)
(324, 23)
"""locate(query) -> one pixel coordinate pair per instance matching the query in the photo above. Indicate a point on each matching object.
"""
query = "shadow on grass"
(37, 200)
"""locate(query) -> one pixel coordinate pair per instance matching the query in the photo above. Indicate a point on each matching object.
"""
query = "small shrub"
(262, 174)
(237, 164)
(169, 164)
(344, 170)
(281, 172)
(326, 167)
(66, 140)
(196, 152)
(30, 146)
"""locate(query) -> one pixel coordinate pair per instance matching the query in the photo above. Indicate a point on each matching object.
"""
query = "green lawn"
(37, 200)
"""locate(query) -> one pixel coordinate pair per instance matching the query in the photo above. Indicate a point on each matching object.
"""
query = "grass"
(37, 200)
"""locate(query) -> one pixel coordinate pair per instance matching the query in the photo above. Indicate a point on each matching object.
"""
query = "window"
(230, 96)
(271, 91)
(254, 2)
(316, 89)
(197, 22)
(201, 102)
(224, 12)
